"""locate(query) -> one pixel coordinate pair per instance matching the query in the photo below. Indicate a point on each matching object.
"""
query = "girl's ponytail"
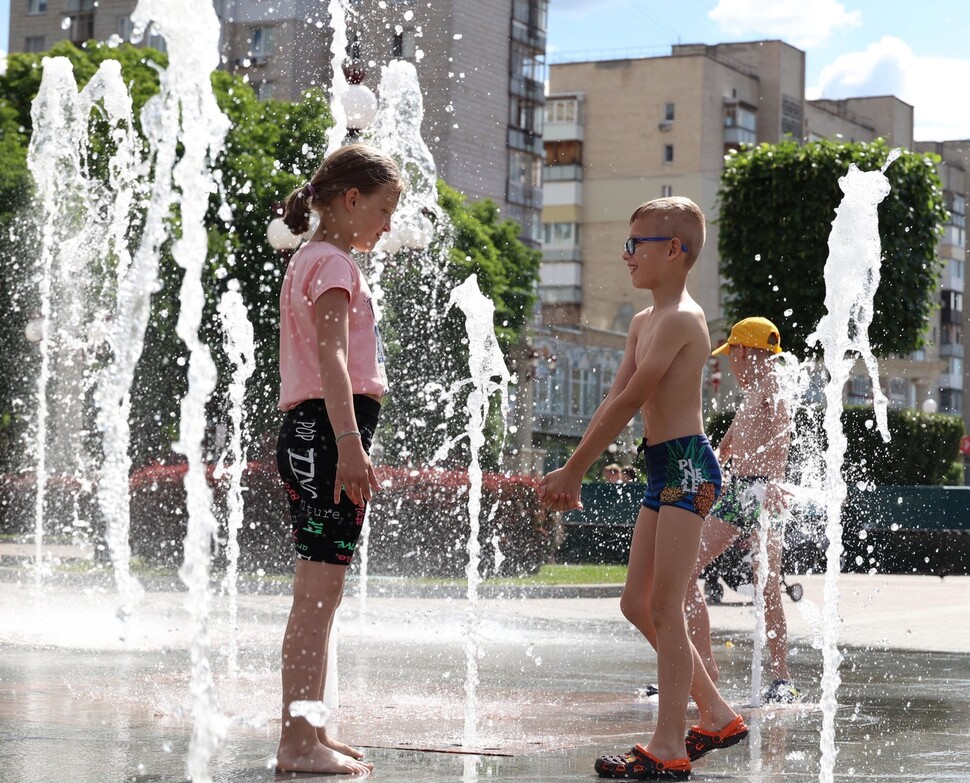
(296, 209)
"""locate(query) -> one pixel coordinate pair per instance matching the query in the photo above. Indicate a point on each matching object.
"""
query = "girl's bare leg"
(317, 590)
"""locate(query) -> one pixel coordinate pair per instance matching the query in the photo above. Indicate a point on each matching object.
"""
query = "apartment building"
(947, 337)
(481, 66)
(619, 132)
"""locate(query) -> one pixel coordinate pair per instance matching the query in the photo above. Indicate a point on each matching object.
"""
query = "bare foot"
(319, 758)
(337, 745)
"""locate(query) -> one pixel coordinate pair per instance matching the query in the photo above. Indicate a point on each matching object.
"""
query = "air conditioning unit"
(666, 125)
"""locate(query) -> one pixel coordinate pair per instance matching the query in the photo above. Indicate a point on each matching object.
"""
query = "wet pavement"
(561, 681)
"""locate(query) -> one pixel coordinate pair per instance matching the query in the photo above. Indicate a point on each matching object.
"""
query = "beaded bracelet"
(345, 434)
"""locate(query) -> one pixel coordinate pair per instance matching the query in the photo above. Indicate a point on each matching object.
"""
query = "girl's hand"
(559, 490)
(355, 472)
(776, 499)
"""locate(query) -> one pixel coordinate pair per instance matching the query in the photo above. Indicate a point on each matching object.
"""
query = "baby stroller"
(803, 551)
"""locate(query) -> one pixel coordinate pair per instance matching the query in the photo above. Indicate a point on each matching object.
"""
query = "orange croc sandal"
(638, 764)
(700, 741)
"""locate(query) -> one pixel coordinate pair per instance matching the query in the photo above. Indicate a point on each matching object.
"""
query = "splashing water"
(852, 273)
(83, 223)
(185, 113)
(184, 130)
(397, 131)
(486, 364)
(339, 86)
(241, 351)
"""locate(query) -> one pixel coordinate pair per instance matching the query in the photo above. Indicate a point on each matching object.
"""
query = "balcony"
(736, 135)
(950, 316)
(530, 89)
(517, 193)
(557, 194)
(563, 131)
(951, 349)
(570, 172)
(951, 381)
(527, 141)
(558, 255)
(529, 35)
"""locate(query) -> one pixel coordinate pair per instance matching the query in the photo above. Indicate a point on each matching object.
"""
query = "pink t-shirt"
(316, 268)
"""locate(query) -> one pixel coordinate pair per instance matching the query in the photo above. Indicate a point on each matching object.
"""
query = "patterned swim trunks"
(740, 503)
(684, 473)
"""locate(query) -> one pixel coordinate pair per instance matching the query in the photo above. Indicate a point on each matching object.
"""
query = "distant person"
(629, 473)
(331, 383)
(755, 448)
(613, 474)
(666, 350)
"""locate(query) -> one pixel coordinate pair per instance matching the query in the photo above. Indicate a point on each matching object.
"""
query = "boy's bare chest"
(751, 424)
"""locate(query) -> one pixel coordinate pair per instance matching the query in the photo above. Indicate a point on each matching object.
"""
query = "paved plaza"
(562, 680)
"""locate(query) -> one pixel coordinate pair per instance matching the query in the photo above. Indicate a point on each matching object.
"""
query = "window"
(531, 12)
(956, 268)
(525, 114)
(260, 43)
(666, 191)
(73, 6)
(525, 169)
(953, 300)
(668, 112)
(156, 41)
(37, 7)
(81, 27)
(951, 401)
(564, 153)
(525, 63)
(859, 390)
(562, 110)
(668, 153)
(404, 45)
(954, 235)
(560, 234)
(35, 44)
(124, 27)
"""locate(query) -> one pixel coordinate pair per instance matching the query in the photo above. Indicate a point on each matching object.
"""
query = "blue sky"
(919, 52)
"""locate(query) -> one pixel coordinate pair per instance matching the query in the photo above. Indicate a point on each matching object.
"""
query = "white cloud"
(803, 23)
(932, 85)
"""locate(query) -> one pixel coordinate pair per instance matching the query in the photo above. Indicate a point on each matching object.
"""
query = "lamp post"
(279, 236)
(360, 104)
(34, 329)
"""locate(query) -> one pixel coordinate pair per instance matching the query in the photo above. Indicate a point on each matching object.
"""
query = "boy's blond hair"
(682, 218)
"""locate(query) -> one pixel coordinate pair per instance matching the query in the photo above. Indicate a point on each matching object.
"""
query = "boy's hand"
(559, 490)
(776, 499)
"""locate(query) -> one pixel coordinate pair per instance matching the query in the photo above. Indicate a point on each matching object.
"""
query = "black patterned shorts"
(306, 457)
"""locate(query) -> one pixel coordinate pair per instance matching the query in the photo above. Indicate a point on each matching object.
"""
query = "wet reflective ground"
(560, 684)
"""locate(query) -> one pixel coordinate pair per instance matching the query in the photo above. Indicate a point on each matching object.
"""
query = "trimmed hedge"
(923, 448)
(419, 522)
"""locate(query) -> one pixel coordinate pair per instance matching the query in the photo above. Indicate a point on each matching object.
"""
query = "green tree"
(14, 192)
(271, 148)
(427, 353)
(777, 202)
